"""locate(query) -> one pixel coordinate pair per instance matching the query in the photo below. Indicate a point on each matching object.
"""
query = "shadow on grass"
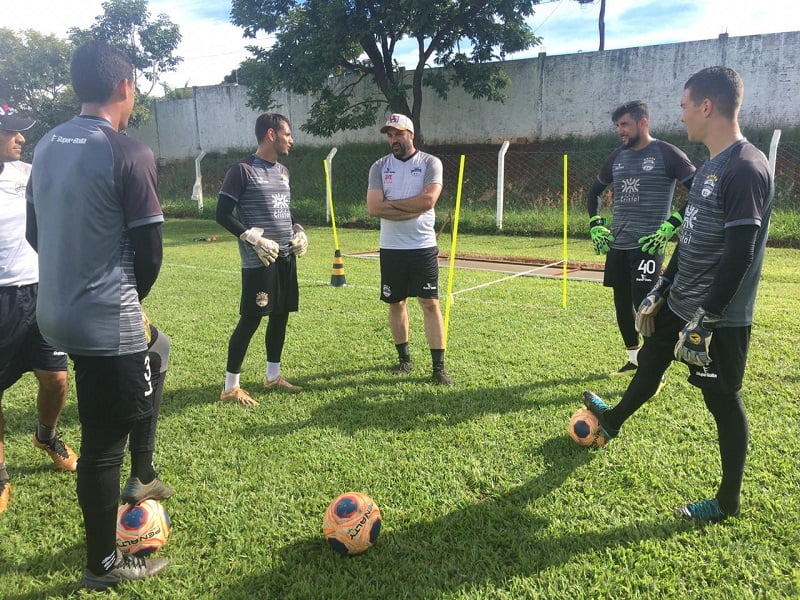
(484, 544)
(72, 557)
(415, 403)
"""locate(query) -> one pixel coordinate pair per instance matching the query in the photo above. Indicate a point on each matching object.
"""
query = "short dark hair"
(267, 121)
(635, 108)
(722, 85)
(96, 69)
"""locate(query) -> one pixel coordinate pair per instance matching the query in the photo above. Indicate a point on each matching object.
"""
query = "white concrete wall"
(550, 97)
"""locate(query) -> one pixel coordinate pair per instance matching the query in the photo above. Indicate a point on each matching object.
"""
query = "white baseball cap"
(399, 122)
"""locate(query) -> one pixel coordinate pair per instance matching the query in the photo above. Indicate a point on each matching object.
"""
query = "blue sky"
(212, 47)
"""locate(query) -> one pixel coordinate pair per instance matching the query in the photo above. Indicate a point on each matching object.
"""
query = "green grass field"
(482, 492)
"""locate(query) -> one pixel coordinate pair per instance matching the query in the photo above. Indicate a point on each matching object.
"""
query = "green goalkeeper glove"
(695, 339)
(656, 242)
(265, 248)
(601, 236)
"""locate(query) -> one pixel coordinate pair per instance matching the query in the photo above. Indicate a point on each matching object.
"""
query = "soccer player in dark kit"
(701, 310)
(643, 172)
(255, 206)
(95, 218)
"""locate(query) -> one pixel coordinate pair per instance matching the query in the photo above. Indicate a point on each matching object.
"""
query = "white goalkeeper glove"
(299, 243)
(265, 248)
(652, 303)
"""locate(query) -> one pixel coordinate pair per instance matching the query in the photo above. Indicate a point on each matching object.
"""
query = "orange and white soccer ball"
(143, 528)
(585, 430)
(352, 523)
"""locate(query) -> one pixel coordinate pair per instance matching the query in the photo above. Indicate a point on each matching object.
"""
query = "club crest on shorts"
(262, 299)
(387, 291)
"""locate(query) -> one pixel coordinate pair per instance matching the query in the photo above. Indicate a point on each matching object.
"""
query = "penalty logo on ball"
(143, 528)
(352, 523)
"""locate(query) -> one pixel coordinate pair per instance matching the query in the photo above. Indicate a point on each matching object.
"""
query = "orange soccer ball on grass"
(585, 430)
(352, 523)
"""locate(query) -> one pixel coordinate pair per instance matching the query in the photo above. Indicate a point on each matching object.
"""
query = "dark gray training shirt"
(733, 188)
(261, 192)
(90, 185)
(644, 183)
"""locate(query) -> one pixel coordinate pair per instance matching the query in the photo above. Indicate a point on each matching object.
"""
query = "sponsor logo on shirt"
(62, 140)
(280, 206)
(630, 190)
(618, 167)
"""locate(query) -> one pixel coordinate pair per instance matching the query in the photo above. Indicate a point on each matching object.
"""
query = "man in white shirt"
(22, 347)
(403, 189)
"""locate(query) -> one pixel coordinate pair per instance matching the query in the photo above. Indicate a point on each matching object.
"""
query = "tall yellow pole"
(449, 300)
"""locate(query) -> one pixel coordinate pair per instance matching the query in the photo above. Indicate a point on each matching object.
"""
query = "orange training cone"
(337, 274)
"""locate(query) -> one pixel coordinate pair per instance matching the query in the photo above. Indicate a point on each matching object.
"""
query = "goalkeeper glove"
(265, 248)
(148, 335)
(656, 242)
(652, 303)
(694, 340)
(601, 236)
(299, 243)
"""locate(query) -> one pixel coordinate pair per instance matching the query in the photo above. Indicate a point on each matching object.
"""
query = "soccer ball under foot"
(142, 528)
(585, 430)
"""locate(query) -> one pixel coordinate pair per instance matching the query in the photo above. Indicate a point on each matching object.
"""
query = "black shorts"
(634, 268)
(113, 389)
(22, 347)
(273, 289)
(728, 351)
(407, 273)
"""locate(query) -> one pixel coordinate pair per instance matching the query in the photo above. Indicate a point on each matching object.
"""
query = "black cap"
(9, 121)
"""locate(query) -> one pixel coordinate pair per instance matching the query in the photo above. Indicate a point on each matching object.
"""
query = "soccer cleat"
(281, 385)
(628, 368)
(237, 396)
(5, 493)
(440, 377)
(404, 367)
(126, 568)
(135, 491)
(63, 456)
(704, 511)
(597, 407)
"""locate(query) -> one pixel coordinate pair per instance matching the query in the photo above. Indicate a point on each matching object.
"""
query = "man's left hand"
(695, 339)
(299, 243)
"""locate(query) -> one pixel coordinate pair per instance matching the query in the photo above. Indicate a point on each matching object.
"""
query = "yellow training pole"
(337, 273)
(564, 278)
(449, 300)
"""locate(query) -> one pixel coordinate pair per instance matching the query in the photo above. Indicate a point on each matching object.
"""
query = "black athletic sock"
(44, 433)
(142, 466)
(402, 352)
(3, 473)
(437, 358)
(101, 534)
(733, 434)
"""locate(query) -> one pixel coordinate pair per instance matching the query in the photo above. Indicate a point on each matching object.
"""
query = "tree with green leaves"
(327, 48)
(34, 78)
(150, 43)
